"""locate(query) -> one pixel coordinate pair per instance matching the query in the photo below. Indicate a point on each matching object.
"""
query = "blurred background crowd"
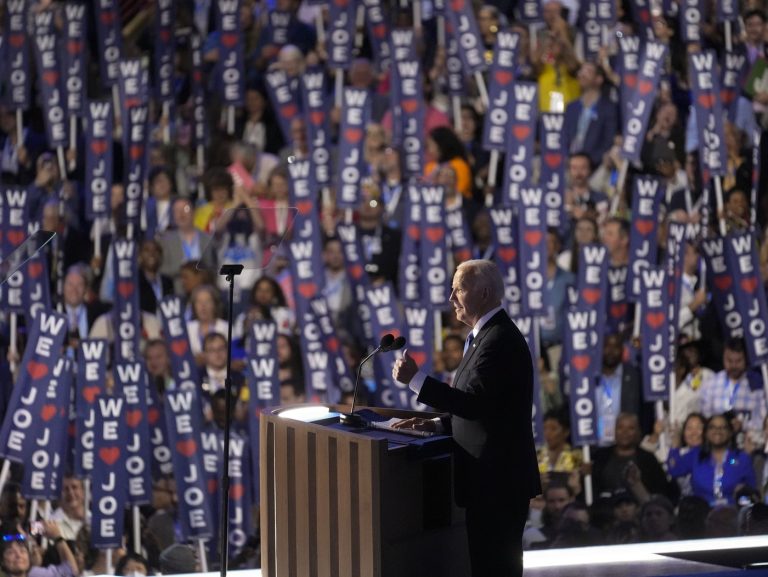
(700, 471)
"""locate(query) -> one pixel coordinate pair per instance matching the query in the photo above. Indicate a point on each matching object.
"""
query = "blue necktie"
(470, 338)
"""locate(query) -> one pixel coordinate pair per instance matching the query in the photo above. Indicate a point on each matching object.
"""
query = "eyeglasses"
(14, 537)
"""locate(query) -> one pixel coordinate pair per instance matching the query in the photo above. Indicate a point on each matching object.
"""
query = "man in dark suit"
(496, 472)
(591, 122)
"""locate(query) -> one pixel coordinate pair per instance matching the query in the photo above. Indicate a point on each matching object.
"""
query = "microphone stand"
(230, 271)
(351, 419)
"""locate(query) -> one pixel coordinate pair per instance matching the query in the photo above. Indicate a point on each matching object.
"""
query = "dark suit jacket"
(632, 397)
(147, 297)
(602, 128)
(490, 406)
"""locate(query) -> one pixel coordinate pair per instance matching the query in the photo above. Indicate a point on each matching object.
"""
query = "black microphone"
(350, 419)
(396, 345)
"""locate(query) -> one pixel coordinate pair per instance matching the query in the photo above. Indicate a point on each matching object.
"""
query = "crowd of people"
(698, 471)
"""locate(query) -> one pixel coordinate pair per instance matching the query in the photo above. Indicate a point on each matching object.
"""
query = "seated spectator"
(580, 200)
(574, 529)
(657, 519)
(132, 564)
(583, 232)
(184, 244)
(556, 66)
(71, 514)
(722, 522)
(15, 555)
(617, 391)
(692, 514)
(444, 147)
(267, 302)
(625, 465)
(177, 559)
(162, 191)
(625, 527)
(219, 192)
(206, 318)
(557, 460)
(717, 468)
(557, 496)
(729, 390)
(153, 286)
(591, 121)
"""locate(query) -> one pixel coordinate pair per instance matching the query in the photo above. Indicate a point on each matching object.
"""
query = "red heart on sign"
(107, 18)
(379, 31)
(591, 295)
(305, 207)
(288, 110)
(125, 288)
(645, 15)
(723, 282)
(655, 320)
(414, 232)
(179, 347)
(197, 76)
(503, 77)
(99, 147)
(507, 254)
(618, 310)
(229, 40)
(50, 77)
(74, 47)
(581, 362)
(532, 237)
(461, 255)
(521, 131)
(237, 491)
(410, 105)
(353, 135)
(457, 5)
(15, 237)
(553, 159)
(749, 284)
(645, 87)
(307, 289)
(317, 117)
(341, 3)
(37, 370)
(16, 40)
(418, 356)
(434, 233)
(631, 80)
(727, 96)
(213, 484)
(35, 269)
(131, 102)
(707, 100)
(48, 412)
(137, 151)
(152, 415)
(356, 271)
(644, 226)
(133, 418)
(165, 35)
(186, 448)
(332, 344)
(109, 455)
(89, 394)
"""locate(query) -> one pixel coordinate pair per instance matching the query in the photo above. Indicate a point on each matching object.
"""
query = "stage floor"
(704, 558)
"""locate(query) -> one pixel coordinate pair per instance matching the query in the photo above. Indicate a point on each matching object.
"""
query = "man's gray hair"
(483, 273)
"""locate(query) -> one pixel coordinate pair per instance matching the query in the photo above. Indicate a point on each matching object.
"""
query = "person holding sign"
(16, 556)
(490, 403)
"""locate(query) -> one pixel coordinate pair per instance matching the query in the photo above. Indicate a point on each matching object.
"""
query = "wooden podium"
(342, 502)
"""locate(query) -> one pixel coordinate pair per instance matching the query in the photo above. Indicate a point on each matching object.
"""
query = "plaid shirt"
(719, 395)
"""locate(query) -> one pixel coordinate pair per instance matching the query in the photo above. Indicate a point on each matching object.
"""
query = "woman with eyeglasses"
(717, 468)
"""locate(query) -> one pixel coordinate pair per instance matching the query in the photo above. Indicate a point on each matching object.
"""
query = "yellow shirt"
(557, 88)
